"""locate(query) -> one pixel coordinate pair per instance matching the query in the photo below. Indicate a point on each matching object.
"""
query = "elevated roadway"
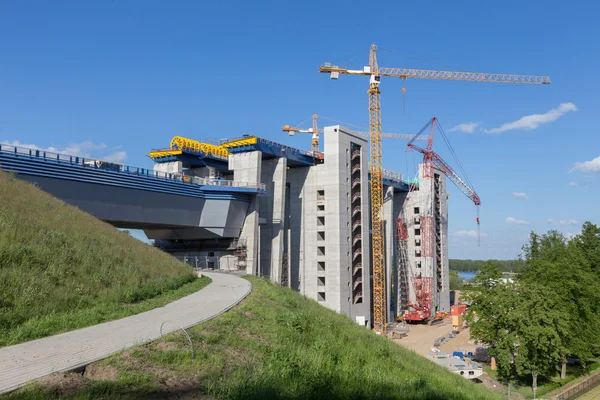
(165, 205)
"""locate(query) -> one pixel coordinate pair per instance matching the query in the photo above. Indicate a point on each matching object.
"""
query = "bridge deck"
(60, 166)
(29, 361)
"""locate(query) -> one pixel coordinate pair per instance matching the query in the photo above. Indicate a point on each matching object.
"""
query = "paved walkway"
(29, 361)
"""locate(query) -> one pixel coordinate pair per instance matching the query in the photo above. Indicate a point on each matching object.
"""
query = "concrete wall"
(335, 180)
(444, 300)
(423, 200)
(272, 211)
(247, 168)
(173, 167)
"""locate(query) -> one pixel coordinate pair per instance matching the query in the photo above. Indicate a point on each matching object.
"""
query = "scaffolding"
(240, 253)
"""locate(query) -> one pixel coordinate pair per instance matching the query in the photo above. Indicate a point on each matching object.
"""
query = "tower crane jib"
(375, 135)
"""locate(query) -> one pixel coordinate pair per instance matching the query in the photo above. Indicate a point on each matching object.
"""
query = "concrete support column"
(247, 168)
(278, 218)
(390, 251)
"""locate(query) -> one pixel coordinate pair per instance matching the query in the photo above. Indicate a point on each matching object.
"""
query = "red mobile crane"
(423, 285)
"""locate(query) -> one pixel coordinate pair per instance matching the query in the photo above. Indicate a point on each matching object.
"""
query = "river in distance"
(466, 275)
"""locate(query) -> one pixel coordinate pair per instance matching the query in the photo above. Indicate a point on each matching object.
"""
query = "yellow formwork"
(179, 143)
(164, 153)
(207, 148)
(246, 141)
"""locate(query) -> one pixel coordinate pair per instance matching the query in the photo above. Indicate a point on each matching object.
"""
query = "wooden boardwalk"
(29, 361)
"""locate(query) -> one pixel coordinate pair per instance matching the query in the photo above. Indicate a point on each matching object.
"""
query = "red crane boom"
(431, 159)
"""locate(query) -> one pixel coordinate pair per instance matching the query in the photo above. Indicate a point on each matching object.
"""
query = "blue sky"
(118, 78)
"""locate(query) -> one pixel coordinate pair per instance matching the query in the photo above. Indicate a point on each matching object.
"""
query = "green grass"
(276, 344)
(547, 385)
(62, 269)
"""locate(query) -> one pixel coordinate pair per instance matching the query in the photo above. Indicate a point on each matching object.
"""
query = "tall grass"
(62, 269)
(275, 345)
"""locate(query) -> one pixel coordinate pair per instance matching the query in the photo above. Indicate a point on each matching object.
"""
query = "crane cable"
(454, 155)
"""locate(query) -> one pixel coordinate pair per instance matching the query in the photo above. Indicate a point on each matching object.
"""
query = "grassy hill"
(276, 344)
(62, 269)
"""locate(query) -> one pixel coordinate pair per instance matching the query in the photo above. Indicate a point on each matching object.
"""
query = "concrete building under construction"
(310, 230)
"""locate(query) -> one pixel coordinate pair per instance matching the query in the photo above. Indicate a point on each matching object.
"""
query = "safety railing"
(122, 168)
(392, 175)
(581, 388)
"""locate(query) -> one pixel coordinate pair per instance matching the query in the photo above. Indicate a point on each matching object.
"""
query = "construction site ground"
(421, 338)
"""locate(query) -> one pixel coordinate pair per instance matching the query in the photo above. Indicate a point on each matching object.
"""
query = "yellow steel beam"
(240, 142)
(164, 153)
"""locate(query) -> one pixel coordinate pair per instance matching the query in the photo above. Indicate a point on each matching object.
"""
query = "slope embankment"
(276, 344)
(62, 269)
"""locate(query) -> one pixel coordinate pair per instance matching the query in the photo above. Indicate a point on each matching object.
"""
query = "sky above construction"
(114, 79)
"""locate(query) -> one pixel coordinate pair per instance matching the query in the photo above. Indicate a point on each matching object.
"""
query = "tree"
(539, 326)
(563, 267)
(490, 316)
(456, 282)
(588, 241)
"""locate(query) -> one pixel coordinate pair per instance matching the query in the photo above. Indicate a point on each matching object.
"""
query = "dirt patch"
(96, 372)
(62, 384)
(250, 315)
(166, 346)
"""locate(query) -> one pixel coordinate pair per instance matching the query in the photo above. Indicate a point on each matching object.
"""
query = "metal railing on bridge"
(122, 168)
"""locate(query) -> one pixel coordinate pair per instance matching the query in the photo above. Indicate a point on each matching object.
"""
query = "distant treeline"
(474, 265)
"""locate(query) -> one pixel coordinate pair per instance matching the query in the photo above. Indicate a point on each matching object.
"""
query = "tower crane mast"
(374, 72)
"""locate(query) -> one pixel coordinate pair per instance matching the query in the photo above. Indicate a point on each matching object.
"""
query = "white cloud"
(570, 235)
(587, 166)
(520, 195)
(533, 121)
(83, 148)
(118, 157)
(572, 183)
(86, 149)
(468, 127)
(514, 221)
(563, 222)
(469, 234)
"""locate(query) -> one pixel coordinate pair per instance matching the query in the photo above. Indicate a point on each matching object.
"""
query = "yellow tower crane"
(375, 72)
(315, 131)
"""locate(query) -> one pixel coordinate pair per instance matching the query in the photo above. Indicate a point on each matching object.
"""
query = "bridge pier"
(246, 167)
(272, 212)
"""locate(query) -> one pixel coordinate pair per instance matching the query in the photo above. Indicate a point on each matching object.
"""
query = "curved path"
(28, 361)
